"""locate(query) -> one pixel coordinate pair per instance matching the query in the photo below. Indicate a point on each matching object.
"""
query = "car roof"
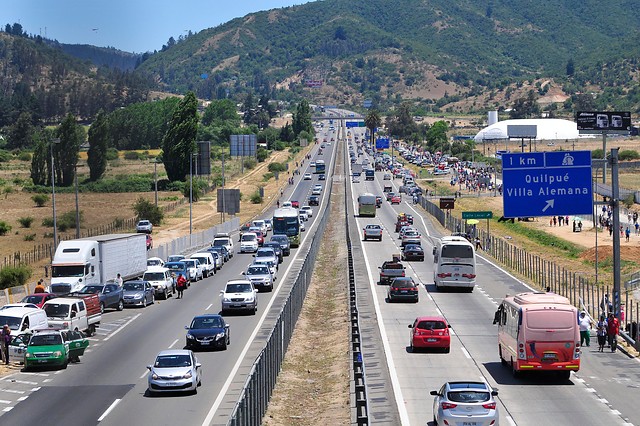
(467, 385)
(208, 316)
(431, 318)
(156, 268)
(48, 331)
(20, 310)
(169, 352)
(239, 282)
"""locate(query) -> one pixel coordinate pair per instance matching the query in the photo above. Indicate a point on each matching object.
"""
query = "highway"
(602, 392)
(109, 385)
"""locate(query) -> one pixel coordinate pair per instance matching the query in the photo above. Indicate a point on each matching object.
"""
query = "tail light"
(489, 406)
(576, 351)
(393, 289)
(403, 273)
(470, 276)
(447, 405)
(444, 275)
(521, 352)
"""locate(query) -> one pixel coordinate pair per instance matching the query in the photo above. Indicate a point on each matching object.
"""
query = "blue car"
(179, 268)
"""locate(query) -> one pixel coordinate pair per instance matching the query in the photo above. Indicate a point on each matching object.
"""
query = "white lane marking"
(145, 374)
(24, 382)
(58, 372)
(452, 332)
(209, 307)
(46, 380)
(225, 387)
(579, 380)
(4, 401)
(36, 374)
(466, 353)
(511, 422)
(592, 390)
(395, 382)
(111, 407)
(120, 329)
(36, 389)
(11, 391)
(429, 296)
(174, 342)
(439, 311)
(603, 400)
(8, 409)
(616, 412)
(22, 398)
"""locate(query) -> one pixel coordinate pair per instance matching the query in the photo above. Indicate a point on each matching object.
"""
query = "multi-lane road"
(109, 385)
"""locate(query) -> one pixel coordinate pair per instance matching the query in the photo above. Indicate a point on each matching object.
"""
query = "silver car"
(461, 403)
(239, 295)
(260, 276)
(138, 293)
(174, 371)
(144, 226)
(196, 271)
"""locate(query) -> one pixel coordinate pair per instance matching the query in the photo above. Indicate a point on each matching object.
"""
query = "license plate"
(549, 356)
(432, 340)
(237, 306)
(403, 291)
(204, 343)
(469, 423)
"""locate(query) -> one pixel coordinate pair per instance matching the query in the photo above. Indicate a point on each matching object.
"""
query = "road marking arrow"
(549, 204)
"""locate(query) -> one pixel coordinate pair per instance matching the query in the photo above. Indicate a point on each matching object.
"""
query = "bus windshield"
(288, 226)
(457, 251)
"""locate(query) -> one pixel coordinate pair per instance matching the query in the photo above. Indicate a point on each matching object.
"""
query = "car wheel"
(101, 307)
(153, 297)
(120, 305)
(566, 375)
(64, 366)
(514, 372)
(447, 349)
(166, 294)
(224, 345)
(254, 310)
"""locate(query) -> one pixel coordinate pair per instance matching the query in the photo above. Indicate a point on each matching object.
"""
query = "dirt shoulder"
(313, 385)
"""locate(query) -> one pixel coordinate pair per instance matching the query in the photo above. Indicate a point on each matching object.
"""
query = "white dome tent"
(547, 129)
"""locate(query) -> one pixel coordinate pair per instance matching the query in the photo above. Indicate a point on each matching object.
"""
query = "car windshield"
(214, 322)
(175, 266)
(154, 262)
(53, 310)
(190, 263)
(249, 237)
(403, 283)
(431, 325)
(238, 288)
(220, 242)
(257, 270)
(133, 286)
(45, 340)
(469, 396)
(264, 253)
(13, 322)
(279, 238)
(35, 299)
(172, 361)
(91, 289)
(154, 276)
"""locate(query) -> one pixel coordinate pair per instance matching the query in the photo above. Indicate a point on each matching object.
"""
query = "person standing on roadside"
(6, 339)
(613, 328)
(585, 329)
(39, 287)
(601, 333)
(181, 284)
(119, 280)
(627, 232)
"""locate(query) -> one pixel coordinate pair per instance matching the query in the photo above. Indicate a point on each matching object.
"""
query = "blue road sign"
(382, 143)
(547, 183)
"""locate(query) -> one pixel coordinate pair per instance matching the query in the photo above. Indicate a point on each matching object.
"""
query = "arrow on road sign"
(549, 204)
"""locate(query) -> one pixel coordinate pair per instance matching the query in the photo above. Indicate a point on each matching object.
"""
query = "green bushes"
(628, 154)
(262, 154)
(48, 222)
(40, 199)
(25, 222)
(134, 155)
(267, 176)
(30, 237)
(256, 198)
(112, 154)
(4, 228)
(68, 220)
(147, 210)
(250, 163)
(121, 184)
(11, 276)
(24, 156)
(277, 167)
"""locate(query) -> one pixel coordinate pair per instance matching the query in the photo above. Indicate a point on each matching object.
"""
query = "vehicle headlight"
(226, 299)
(190, 336)
(57, 353)
(248, 299)
(137, 296)
(187, 376)
(29, 355)
(220, 335)
(154, 376)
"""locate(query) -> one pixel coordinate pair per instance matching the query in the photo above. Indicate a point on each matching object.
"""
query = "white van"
(21, 319)
(207, 262)
(223, 240)
(161, 281)
(454, 259)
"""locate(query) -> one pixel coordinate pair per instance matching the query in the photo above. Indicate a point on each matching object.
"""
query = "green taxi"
(55, 348)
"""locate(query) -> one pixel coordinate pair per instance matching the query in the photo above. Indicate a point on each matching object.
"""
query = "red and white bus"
(538, 332)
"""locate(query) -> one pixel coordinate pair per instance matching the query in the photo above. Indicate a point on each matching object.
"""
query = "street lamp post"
(53, 195)
(75, 170)
(190, 195)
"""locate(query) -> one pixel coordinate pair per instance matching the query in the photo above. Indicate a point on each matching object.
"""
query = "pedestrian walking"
(637, 226)
(554, 221)
(478, 243)
(181, 284)
(6, 339)
(627, 232)
(560, 220)
(613, 328)
(39, 287)
(585, 329)
(601, 333)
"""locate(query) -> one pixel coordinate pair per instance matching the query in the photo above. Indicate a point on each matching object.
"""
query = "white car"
(207, 261)
(155, 261)
(269, 223)
(303, 216)
(307, 209)
(317, 189)
(286, 204)
(249, 243)
(239, 295)
(160, 279)
(174, 370)
(196, 271)
(224, 241)
(262, 225)
(312, 164)
(306, 176)
(302, 228)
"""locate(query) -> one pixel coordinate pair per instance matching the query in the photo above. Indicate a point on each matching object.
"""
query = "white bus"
(454, 260)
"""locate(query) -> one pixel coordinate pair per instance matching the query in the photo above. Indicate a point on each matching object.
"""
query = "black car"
(314, 200)
(403, 288)
(277, 248)
(413, 252)
(221, 250)
(283, 240)
(322, 176)
(208, 331)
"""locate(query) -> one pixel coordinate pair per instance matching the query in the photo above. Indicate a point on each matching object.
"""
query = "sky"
(130, 25)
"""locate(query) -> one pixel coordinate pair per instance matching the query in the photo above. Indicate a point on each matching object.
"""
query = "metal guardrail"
(258, 387)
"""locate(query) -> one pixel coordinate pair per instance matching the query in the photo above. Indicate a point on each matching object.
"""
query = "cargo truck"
(96, 260)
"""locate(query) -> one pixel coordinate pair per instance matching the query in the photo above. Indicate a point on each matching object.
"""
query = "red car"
(295, 204)
(38, 299)
(430, 332)
(396, 199)
(260, 236)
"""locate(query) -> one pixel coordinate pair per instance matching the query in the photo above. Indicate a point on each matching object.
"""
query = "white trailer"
(96, 260)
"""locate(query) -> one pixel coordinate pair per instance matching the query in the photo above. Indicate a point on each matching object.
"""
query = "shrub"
(628, 154)
(279, 146)
(68, 220)
(267, 176)
(250, 163)
(597, 153)
(133, 155)
(24, 156)
(40, 199)
(255, 198)
(48, 235)
(277, 167)
(118, 222)
(63, 226)
(4, 228)
(148, 210)
(112, 154)
(262, 154)
(30, 237)
(25, 221)
(48, 222)
(129, 183)
(4, 156)
(6, 191)
(11, 276)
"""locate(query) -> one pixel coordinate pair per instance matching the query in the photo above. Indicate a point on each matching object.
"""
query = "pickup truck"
(389, 270)
(111, 295)
(372, 231)
(74, 313)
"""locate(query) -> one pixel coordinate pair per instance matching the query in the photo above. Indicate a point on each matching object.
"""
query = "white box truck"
(96, 260)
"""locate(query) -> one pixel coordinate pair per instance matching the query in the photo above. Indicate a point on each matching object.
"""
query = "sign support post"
(615, 201)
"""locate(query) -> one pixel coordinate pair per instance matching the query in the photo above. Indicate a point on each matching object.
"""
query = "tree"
(437, 137)
(179, 141)
(21, 133)
(220, 111)
(372, 121)
(71, 136)
(401, 123)
(302, 119)
(98, 141)
(525, 107)
(145, 209)
(571, 68)
(41, 159)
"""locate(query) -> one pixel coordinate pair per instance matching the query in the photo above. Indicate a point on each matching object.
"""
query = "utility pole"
(53, 195)
(615, 201)
(222, 187)
(75, 170)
